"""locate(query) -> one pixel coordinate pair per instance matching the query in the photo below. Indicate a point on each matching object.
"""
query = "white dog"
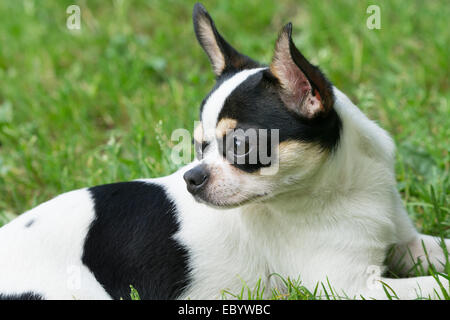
(324, 207)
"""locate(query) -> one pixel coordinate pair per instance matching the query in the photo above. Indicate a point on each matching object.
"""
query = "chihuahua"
(322, 207)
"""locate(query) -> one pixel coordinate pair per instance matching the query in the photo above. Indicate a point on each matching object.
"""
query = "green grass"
(91, 107)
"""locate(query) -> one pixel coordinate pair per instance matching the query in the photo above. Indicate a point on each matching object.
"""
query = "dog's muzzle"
(196, 178)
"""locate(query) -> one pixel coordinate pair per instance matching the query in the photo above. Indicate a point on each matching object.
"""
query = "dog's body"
(328, 215)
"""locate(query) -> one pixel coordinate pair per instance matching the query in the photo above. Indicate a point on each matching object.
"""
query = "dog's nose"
(196, 178)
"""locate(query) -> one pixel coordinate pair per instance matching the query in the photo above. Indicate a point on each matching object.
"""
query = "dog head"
(263, 129)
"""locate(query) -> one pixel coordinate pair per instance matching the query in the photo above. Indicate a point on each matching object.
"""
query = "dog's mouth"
(220, 204)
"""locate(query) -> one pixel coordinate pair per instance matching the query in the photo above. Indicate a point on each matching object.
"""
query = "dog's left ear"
(304, 89)
(222, 55)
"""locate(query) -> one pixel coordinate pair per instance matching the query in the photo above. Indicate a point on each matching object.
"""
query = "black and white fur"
(330, 212)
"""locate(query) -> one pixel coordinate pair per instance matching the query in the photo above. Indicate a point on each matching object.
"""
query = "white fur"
(215, 102)
(333, 227)
(46, 258)
(335, 230)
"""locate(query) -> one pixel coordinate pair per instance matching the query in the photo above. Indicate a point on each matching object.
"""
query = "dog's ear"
(304, 89)
(222, 55)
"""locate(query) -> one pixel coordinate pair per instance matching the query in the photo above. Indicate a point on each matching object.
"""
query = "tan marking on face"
(198, 133)
(291, 152)
(224, 126)
(212, 48)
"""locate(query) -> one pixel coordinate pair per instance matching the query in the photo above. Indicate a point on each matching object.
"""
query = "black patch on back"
(256, 103)
(21, 296)
(131, 242)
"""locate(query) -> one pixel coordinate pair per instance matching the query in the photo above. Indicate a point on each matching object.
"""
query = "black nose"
(196, 178)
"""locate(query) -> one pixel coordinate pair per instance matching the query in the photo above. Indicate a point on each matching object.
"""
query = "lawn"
(98, 105)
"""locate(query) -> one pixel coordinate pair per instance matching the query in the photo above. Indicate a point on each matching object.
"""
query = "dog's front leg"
(419, 253)
(409, 288)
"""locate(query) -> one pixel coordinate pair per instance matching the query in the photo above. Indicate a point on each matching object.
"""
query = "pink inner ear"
(312, 105)
(297, 91)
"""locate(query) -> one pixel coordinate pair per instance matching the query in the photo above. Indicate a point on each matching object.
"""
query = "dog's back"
(93, 244)
(42, 249)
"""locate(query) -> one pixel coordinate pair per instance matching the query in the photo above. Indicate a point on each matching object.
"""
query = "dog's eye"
(200, 148)
(240, 146)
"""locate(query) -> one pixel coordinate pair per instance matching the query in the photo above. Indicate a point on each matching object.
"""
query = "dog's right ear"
(222, 55)
(305, 89)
